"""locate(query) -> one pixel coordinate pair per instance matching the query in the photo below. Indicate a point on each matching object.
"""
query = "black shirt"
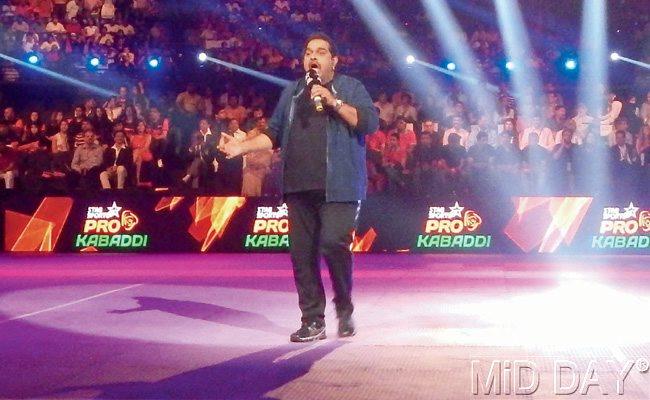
(305, 167)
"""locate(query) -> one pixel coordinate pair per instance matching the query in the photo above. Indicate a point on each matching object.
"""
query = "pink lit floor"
(217, 326)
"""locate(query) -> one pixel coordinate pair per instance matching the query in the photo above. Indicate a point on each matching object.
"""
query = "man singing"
(324, 178)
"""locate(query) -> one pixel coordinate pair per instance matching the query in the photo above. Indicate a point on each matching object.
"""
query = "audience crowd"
(438, 145)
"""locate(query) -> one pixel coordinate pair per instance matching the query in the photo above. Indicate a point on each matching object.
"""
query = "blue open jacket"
(346, 146)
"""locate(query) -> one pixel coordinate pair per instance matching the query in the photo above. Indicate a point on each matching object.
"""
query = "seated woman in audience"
(141, 147)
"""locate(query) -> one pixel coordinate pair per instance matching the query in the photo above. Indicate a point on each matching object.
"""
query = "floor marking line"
(69, 303)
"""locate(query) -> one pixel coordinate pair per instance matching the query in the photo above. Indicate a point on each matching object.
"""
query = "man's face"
(78, 112)
(620, 139)
(508, 126)
(119, 138)
(154, 114)
(567, 136)
(89, 138)
(85, 125)
(233, 101)
(427, 126)
(622, 125)
(318, 55)
(8, 113)
(560, 113)
(258, 113)
(124, 91)
(537, 122)
(233, 125)
(64, 126)
(203, 125)
(401, 125)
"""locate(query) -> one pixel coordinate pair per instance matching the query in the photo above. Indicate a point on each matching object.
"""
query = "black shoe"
(346, 327)
(309, 332)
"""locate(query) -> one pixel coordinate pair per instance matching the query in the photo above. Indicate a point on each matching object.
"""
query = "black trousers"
(319, 228)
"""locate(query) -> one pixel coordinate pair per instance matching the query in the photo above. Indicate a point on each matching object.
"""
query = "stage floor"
(217, 326)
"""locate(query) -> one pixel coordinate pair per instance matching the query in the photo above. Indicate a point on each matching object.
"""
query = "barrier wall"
(147, 222)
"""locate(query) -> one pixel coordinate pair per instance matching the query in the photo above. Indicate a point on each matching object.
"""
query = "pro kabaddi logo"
(110, 228)
(623, 229)
(453, 228)
(270, 229)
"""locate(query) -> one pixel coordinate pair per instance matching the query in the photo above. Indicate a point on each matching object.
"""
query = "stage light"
(33, 59)
(410, 59)
(203, 57)
(94, 62)
(451, 66)
(154, 62)
(257, 74)
(570, 64)
(615, 56)
(59, 77)
(510, 65)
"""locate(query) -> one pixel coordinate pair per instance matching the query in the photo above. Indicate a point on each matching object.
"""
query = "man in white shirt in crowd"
(386, 109)
(456, 128)
(406, 109)
(614, 107)
(72, 9)
(54, 26)
(544, 134)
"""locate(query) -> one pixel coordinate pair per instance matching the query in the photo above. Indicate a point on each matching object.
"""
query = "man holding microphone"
(320, 123)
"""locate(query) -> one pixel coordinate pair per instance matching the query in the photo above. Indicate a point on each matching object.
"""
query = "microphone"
(313, 78)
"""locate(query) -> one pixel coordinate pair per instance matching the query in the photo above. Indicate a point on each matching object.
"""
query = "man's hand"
(230, 146)
(324, 93)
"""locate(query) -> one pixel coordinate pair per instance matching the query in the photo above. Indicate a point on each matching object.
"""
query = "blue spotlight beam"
(592, 80)
(55, 75)
(515, 38)
(450, 36)
(251, 72)
(457, 75)
(633, 61)
(385, 31)
(593, 53)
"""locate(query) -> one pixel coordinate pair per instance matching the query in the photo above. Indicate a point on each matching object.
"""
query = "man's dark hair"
(322, 36)
(481, 135)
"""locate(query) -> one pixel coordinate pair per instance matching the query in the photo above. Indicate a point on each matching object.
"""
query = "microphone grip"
(318, 101)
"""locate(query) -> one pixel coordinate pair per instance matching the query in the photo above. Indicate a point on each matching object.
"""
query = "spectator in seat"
(407, 138)
(86, 163)
(204, 153)
(257, 165)
(565, 156)
(141, 147)
(394, 162)
(457, 129)
(117, 162)
(8, 165)
(625, 165)
(61, 153)
(545, 136)
(235, 111)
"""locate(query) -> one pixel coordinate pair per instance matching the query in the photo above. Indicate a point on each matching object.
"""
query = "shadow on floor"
(247, 377)
(206, 312)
